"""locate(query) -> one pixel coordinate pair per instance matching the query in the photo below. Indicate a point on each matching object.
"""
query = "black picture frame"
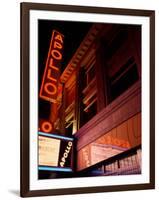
(25, 93)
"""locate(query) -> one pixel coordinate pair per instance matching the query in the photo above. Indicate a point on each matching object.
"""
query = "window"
(125, 77)
(88, 93)
(69, 112)
(122, 61)
(110, 68)
(116, 43)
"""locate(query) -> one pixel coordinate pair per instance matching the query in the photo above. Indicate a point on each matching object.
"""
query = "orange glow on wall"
(125, 136)
(116, 141)
(49, 86)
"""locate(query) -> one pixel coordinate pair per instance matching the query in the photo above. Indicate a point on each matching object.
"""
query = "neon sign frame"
(52, 70)
(57, 168)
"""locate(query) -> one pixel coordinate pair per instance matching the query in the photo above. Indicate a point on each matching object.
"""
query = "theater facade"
(98, 102)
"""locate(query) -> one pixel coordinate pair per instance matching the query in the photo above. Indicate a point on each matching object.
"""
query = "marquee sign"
(55, 152)
(49, 86)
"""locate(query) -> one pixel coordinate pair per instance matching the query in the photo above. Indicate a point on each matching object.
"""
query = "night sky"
(74, 33)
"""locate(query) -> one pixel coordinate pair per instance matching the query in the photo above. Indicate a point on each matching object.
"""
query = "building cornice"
(81, 51)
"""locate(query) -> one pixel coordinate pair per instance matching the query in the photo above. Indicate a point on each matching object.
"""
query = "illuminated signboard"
(101, 152)
(49, 86)
(55, 152)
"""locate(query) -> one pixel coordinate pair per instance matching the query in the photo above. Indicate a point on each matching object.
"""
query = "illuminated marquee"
(55, 152)
(49, 86)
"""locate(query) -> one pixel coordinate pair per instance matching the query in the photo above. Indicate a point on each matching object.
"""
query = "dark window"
(91, 74)
(123, 79)
(69, 130)
(88, 95)
(115, 44)
(89, 113)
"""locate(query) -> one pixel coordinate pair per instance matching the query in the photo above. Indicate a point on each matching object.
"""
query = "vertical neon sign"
(49, 86)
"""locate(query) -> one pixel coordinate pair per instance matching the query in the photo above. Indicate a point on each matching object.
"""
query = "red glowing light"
(49, 86)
